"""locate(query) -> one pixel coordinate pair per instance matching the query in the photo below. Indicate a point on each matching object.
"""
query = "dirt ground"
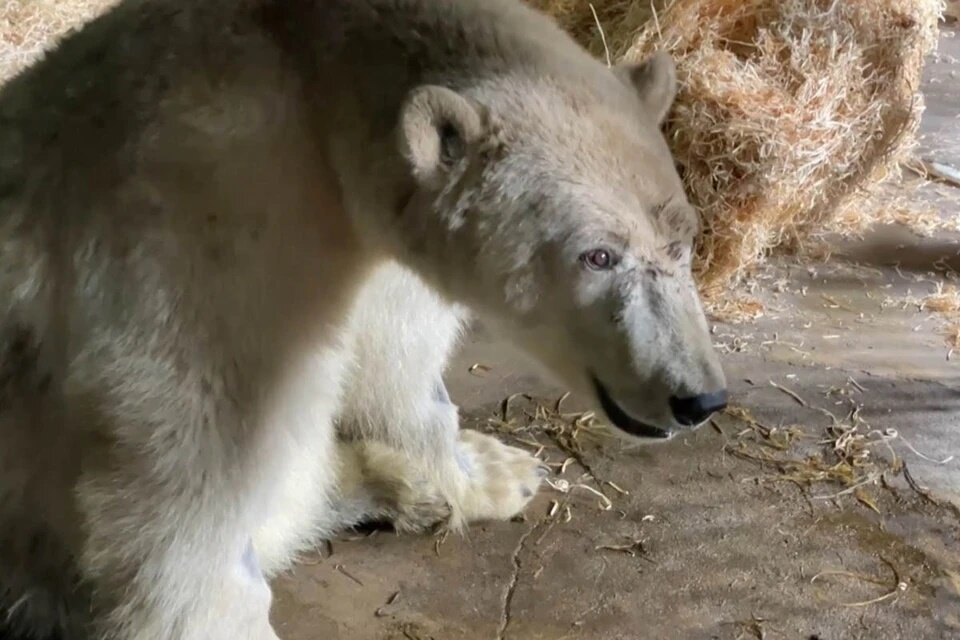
(714, 535)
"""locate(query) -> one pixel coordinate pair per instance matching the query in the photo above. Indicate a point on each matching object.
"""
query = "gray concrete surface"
(707, 544)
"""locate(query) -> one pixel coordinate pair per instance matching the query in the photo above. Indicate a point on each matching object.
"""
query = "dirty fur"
(238, 240)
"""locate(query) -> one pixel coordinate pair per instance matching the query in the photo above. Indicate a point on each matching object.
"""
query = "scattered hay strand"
(634, 549)
(945, 301)
(899, 584)
(568, 431)
(792, 394)
(789, 111)
(736, 309)
(892, 203)
(565, 429)
(846, 455)
(924, 493)
(563, 486)
(850, 455)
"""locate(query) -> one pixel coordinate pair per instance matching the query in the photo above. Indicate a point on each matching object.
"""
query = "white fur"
(210, 354)
(399, 338)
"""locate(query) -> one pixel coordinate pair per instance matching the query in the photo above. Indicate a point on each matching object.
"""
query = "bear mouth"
(621, 419)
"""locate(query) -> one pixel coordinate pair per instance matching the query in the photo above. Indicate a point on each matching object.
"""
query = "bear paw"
(499, 480)
(405, 492)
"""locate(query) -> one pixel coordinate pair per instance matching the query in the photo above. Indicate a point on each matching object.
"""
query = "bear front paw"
(499, 480)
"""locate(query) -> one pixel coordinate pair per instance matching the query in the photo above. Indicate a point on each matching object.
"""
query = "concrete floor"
(708, 544)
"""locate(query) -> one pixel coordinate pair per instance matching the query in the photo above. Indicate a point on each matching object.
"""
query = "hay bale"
(788, 110)
(30, 27)
(605, 26)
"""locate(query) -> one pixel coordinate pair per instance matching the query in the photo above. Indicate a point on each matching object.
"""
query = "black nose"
(694, 410)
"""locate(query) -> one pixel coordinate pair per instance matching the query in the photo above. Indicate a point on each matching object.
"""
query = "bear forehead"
(589, 155)
(642, 203)
(582, 138)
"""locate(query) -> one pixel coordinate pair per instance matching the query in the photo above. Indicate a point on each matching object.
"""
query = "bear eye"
(599, 259)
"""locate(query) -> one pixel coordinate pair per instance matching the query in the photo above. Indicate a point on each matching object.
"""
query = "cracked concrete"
(707, 544)
(510, 590)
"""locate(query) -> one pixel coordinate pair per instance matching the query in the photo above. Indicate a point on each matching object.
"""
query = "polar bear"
(238, 239)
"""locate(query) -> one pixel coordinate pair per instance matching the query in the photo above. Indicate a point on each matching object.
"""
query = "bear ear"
(655, 80)
(437, 126)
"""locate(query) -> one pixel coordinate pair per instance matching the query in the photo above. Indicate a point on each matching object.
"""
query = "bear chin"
(624, 421)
